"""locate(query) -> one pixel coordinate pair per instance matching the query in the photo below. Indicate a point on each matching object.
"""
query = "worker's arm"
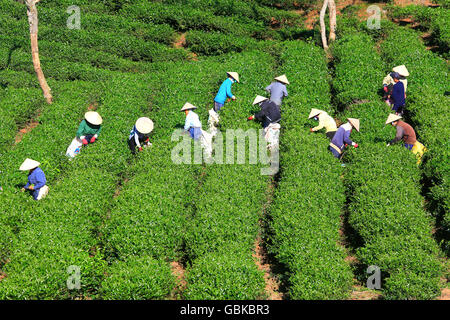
(98, 131)
(285, 93)
(229, 93)
(320, 126)
(268, 88)
(136, 139)
(81, 130)
(347, 138)
(398, 136)
(260, 116)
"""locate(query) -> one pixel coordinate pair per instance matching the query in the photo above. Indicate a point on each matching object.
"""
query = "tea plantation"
(124, 221)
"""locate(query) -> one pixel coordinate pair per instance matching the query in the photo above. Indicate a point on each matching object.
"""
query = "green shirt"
(86, 129)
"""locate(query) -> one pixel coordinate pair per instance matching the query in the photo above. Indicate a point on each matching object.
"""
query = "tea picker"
(342, 137)
(193, 126)
(325, 121)
(88, 132)
(225, 91)
(388, 81)
(139, 135)
(36, 179)
(277, 89)
(398, 94)
(406, 133)
(270, 111)
(270, 117)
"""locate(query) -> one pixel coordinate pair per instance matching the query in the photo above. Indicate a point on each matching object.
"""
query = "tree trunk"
(323, 30)
(332, 7)
(33, 21)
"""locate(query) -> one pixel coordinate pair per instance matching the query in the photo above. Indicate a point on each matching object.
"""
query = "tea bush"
(427, 107)
(385, 205)
(306, 210)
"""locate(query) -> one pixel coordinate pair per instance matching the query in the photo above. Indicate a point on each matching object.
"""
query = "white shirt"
(192, 121)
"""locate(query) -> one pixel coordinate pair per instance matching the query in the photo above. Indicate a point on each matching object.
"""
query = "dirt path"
(445, 295)
(28, 127)
(178, 272)
(262, 262)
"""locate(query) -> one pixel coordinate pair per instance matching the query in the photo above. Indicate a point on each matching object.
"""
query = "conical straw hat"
(188, 106)
(29, 164)
(144, 125)
(234, 75)
(354, 123)
(401, 70)
(259, 99)
(93, 118)
(282, 79)
(314, 112)
(392, 118)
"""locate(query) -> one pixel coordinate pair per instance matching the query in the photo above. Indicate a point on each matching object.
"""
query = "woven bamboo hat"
(314, 112)
(354, 123)
(401, 70)
(144, 125)
(234, 75)
(282, 79)
(188, 106)
(259, 99)
(29, 164)
(392, 117)
(93, 118)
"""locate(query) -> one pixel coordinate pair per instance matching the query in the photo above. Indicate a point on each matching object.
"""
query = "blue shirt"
(398, 95)
(342, 136)
(224, 91)
(37, 177)
(277, 91)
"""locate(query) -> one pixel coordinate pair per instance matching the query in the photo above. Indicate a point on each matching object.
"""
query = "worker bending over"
(36, 179)
(277, 89)
(225, 91)
(388, 81)
(193, 126)
(139, 135)
(270, 111)
(325, 121)
(90, 127)
(342, 137)
(406, 133)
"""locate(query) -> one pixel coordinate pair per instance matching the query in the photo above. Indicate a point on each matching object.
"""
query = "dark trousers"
(330, 134)
(132, 145)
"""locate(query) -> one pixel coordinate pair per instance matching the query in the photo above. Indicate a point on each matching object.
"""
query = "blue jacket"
(277, 92)
(37, 177)
(341, 137)
(398, 95)
(224, 91)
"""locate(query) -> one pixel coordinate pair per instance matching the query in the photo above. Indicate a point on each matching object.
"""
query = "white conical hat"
(93, 118)
(188, 106)
(282, 79)
(144, 125)
(234, 75)
(354, 122)
(259, 99)
(392, 118)
(401, 70)
(314, 112)
(29, 164)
